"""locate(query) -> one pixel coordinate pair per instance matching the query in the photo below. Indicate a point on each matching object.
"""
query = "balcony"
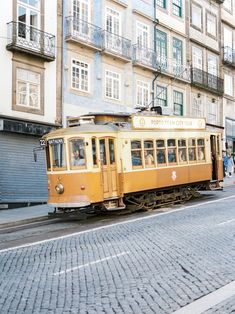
(30, 40)
(173, 69)
(83, 32)
(229, 56)
(207, 81)
(144, 57)
(117, 46)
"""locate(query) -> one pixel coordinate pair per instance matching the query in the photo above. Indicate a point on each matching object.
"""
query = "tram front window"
(77, 153)
(58, 155)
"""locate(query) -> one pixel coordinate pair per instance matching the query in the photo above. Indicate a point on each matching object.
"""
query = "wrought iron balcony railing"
(116, 45)
(31, 40)
(173, 68)
(82, 31)
(207, 81)
(144, 56)
(229, 56)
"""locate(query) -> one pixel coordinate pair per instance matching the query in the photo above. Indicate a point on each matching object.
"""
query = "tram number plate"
(55, 141)
(42, 143)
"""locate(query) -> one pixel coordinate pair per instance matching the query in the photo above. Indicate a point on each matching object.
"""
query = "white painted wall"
(49, 116)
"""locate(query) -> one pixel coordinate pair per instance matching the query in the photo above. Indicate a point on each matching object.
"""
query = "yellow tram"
(140, 161)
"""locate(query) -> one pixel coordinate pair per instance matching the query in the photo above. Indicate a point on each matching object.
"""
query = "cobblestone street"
(156, 264)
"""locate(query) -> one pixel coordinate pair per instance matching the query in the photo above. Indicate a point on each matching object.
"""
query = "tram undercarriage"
(144, 200)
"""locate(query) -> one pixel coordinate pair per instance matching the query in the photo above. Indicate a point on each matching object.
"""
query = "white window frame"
(197, 107)
(116, 20)
(28, 83)
(112, 78)
(227, 4)
(211, 25)
(142, 35)
(212, 65)
(196, 16)
(142, 93)
(228, 37)
(197, 58)
(228, 84)
(28, 8)
(212, 113)
(80, 4)
(80, 68)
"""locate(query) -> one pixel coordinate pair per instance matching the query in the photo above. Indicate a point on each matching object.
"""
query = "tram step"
(112, 205)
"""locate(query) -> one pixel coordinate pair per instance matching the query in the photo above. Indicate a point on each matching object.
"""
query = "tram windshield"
(58, 153)
(77, 152)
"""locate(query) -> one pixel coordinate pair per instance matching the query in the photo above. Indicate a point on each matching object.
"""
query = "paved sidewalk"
(24, 214)
(39, 212)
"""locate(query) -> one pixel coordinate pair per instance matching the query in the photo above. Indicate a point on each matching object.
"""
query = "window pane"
(77, 152)
(28, 88)
(103, 152)
(196, 16)
(136, 153)
(58, 155)
(111, 151)
(94, 151)
(161, 96)
(171, 150)
(177, 7)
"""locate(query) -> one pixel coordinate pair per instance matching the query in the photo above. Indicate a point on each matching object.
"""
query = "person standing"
(230, 165)
(225, 163)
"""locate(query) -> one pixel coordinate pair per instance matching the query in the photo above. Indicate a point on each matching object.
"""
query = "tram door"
(108, 166)
(214, 157)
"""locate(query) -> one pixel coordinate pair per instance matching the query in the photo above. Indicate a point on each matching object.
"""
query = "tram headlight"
(59, 188)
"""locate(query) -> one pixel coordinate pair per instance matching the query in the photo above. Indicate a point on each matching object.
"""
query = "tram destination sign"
(163, 122)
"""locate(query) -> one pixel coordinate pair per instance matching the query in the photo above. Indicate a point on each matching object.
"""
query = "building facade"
(28, 96)
(228, 66)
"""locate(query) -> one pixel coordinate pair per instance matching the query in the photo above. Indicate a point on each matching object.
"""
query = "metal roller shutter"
(21, 178)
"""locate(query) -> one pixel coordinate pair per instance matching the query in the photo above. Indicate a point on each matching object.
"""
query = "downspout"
(155, 22)
(62, 66)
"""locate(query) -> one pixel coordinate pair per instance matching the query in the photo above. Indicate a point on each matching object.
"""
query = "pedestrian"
(225, 163)
(230, 167)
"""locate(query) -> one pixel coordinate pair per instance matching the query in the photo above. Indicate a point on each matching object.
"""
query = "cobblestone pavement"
(156, 264)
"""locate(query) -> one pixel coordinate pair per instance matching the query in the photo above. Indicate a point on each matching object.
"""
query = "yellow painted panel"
(76, 184)
(159, 178)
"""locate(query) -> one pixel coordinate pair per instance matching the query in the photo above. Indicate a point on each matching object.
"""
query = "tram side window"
(161, 151)
(148, 154)
(182, 150)
(136, 150)
(192, 149)
(201, 149)
(171, 150)
(77, 153)
(58, 155)
(103, 152)
(111, 151)
(94, 151)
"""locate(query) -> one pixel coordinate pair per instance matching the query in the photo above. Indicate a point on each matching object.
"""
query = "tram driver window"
(77, 152)
(136, 153)
(171, 149)
(161, 152)
(58, 155)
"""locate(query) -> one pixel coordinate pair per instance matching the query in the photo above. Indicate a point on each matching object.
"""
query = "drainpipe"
(155, 22)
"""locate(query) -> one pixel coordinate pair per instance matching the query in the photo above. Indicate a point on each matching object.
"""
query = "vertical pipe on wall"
(155, 49)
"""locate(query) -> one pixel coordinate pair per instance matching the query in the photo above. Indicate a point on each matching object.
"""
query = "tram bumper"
(77, 201)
